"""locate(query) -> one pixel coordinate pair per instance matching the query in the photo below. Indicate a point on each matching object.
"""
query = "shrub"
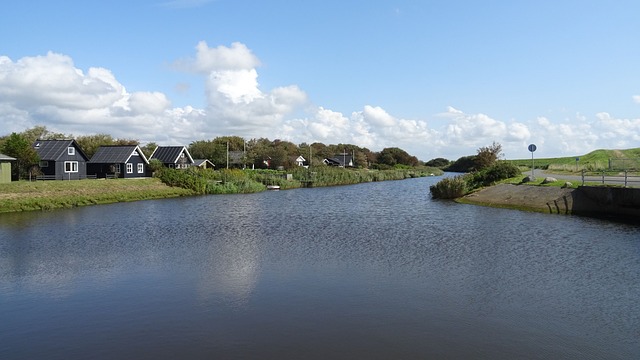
(184, 178)
(449, 188)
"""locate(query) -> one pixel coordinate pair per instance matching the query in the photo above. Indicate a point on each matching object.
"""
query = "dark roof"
(53, 149)
(116, 154)
(236, 157)
(6, 157)
(199, 162)
(170, 154)
(341, 159)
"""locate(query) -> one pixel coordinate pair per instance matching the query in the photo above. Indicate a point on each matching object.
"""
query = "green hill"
(601, 159)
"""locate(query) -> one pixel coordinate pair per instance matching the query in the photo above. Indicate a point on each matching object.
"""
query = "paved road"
(632, 181)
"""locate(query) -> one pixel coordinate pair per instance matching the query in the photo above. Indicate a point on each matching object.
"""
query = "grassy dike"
(54, 194)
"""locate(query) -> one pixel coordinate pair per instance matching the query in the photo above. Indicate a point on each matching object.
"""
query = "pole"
(532, 166)
(227, 155)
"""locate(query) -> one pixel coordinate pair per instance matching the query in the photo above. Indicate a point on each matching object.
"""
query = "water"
(372, 271)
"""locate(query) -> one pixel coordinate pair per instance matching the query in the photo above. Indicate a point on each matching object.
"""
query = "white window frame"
(129, 168)
(70, 166)
(71, 150)
(140, 168)
(118, 168)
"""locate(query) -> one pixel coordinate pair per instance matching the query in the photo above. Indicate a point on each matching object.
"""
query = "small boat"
(273, 187)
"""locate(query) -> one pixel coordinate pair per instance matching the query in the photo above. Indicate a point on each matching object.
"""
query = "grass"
(593, 161)
(54, 194)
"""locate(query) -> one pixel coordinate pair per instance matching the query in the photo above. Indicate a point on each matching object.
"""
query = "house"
(299, 161)
(61, 159)
(236, 159)
(118, 161)
(342, 160)
(203, 163)
(5, 168)
(174, 157)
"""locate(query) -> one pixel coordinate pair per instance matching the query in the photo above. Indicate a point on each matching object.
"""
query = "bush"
(183, 178)
(449, 188)
(499, 171)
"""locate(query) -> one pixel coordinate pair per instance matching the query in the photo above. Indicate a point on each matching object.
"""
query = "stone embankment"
(585, 200)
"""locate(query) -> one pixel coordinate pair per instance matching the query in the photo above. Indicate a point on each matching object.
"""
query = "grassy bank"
(54, 194)
(227, 181)
(593, 161)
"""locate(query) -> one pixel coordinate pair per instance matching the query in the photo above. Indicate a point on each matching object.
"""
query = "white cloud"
(49, 90)
(236, 57)
(473, 129)
(378, 116)
(152, 103)
(636, 98)
(54, 81)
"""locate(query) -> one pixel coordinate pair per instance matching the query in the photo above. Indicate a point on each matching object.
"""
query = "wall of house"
(59, 167)
(135, 160)
(5, 172)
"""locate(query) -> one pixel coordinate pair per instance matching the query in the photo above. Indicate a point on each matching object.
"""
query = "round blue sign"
(532, 147)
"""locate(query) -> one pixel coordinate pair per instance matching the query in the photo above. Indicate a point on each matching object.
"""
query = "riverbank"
(48, 195)
(585, 200)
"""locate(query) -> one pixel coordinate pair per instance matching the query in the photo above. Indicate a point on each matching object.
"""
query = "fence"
(624, 164)
(622, 178)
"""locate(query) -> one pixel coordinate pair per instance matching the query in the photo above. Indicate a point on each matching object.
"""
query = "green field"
(54, 194)
(628, 159)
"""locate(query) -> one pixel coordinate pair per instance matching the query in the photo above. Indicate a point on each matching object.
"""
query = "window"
(129, 168)
(118, 168)
(71, 166)
(71, 150)
(140, 168)
(44, 163)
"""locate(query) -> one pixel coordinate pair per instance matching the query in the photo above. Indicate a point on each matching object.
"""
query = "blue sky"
(436, 78)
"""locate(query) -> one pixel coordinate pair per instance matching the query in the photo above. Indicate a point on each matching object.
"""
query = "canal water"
(369, 271)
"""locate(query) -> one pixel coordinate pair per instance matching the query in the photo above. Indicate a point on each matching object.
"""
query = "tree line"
(252, 153)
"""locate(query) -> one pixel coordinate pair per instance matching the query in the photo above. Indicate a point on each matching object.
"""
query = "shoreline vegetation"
(168, 183)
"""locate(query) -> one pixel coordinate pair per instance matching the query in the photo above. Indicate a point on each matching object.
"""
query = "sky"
(434, 78)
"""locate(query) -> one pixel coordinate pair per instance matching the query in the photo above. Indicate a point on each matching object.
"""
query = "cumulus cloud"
(50, 90)
(236, 57)
(53, 80)
(236, 104)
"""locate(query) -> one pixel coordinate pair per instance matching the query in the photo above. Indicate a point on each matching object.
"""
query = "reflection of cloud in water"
(231, 265)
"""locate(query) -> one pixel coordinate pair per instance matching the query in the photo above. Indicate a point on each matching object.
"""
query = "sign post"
(532, 148)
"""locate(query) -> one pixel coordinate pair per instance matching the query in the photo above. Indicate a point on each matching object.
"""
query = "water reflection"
(373, 270)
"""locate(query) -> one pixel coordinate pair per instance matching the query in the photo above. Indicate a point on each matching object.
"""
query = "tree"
(90, 143)
(487, 156)
(41, 132)
(463, 164)
(155, 165)
(17, 146)
(438, 162)
(149, 148)
(394, 155)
